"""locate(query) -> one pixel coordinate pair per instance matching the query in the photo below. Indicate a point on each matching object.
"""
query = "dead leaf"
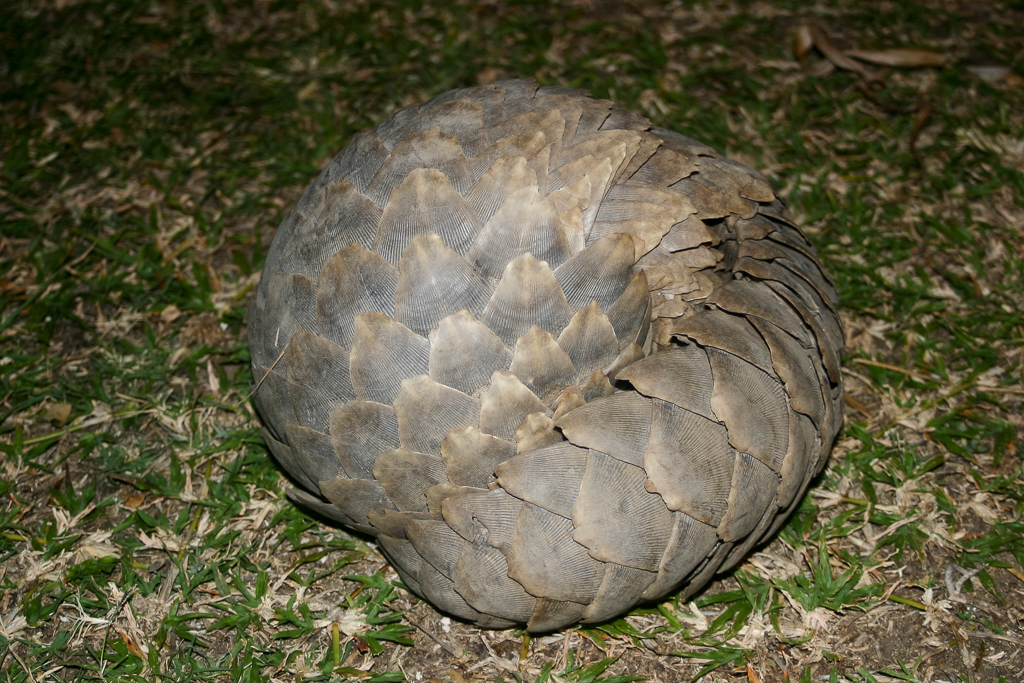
(908, 57)
(212, 377)
(990, 73)
(130, 644)
(170, 314)
(835, 55)
(58, 413)
(820, 68)
(309, 91)
(134, 500)
(488, 76)
(803, 41)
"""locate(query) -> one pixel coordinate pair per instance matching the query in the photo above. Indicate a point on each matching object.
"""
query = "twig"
(265, 374)
(923, 112)
(894, 368)
(448, 648)
(1015, 573)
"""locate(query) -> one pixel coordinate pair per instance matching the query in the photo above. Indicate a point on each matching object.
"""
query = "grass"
(147, 153)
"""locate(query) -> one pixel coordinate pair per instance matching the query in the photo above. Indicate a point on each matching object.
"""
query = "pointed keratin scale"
(681, 376)
(527, 295)
(634, 528)
(353, 281)
(576, 195)
(540, 363)
(647, 223)
(386, 130)
(321, 463)
(505, 176)
(485, 517)
(547, 562)
(630, 315)
(291, 306)
(359, 431)
(383, 354)
(753, 407)
(599, 273)
(526, 222)
(437, 494)
(318, 379)
(463, 353)
(344, 216)
(400, 553)
(406, 475)
(730, 333)
(620, 586)
(359, 162)
(470, 456)
(569, 400)
(428, 411)
(689, 462)
(665, 168)
(514, 136)
(689, 545)
(589, 340)
(795, 367)
(425, 203)
(753, 491)
(294, 463)
(549, 477)
(435, 282)
(597, 173)
(754, 300)
(427, 149)
(629, 354)
(536, 431)
(505, 405)
(437, 543)
(513, 147)
(481, 577)
(319, 227)
(440, 591)
(619, 425)
(456, 118)
(357, 498)
(597, 386)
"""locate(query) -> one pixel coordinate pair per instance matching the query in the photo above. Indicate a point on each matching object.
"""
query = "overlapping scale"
(353, 281)
(528, 295)
(463, 353)
(318, 379)
(634, 530)
(384, 353)
(360, 430)
(433, 283)
(424, 203)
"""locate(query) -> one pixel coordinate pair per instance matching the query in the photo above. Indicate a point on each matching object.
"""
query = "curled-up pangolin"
(557, 361)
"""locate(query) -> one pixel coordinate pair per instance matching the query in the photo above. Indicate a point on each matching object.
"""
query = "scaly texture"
(555, 360)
